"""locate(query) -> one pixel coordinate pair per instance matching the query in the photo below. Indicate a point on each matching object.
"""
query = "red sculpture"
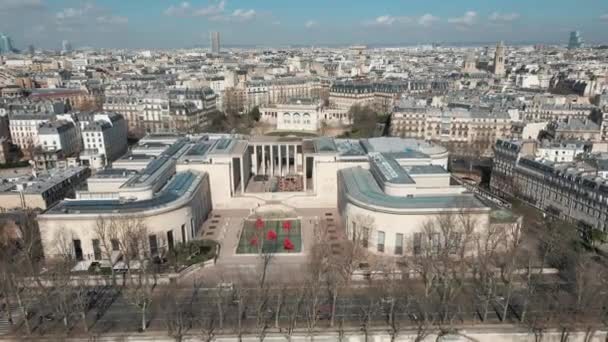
(272, 235)
(286, 226)
(287, 245)
(259, 223)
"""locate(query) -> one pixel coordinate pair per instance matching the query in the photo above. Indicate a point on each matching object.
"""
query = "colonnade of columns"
(277, 160)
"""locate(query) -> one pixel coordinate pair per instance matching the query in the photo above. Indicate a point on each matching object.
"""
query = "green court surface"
(251, 233)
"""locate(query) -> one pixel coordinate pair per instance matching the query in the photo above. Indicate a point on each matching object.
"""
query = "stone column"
(255, 163)
(280, 161)
(295, 159)
(243, 175)
(271, 160)
(263, 159)
(287, 154)
(304, 170)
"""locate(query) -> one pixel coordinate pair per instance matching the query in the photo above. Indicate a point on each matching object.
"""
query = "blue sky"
(170, 24)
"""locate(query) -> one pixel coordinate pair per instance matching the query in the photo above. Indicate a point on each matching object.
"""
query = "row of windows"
(432, 241)
(153, 244)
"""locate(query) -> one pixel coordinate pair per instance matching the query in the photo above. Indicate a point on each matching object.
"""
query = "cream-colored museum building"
(385, 188)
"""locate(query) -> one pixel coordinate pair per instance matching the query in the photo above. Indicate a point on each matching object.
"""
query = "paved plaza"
(225, 226)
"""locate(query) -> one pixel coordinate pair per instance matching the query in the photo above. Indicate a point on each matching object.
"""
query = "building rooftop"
(55, 127)
(43, 182)
(362, 188)
(349, 147)
(387, 170)
(575, 124)
(177, 187)
(114, 173)
(325, 145)
(424, 170)
(400, 145)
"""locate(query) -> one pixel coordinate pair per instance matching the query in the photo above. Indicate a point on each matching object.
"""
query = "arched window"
(306, 118)
(296, 118)
(287, 118)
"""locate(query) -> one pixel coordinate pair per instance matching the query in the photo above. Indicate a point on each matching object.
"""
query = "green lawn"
(250, 232)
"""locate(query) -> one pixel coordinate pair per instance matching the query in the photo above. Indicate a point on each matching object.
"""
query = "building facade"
(572, 191)
(60, 135)
(377, 184)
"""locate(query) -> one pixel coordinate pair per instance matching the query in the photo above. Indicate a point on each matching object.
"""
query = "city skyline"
(178, 24)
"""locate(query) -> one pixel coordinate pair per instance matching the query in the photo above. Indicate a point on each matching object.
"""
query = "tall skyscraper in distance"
(499, 60)
(31, 50)
(214, 40)
(6, 44)
(66, 47)
(575, 41)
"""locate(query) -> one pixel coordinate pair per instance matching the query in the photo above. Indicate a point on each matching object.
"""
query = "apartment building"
(462, 125)
(573, 191)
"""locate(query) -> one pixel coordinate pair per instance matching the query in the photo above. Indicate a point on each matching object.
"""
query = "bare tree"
(9, 251)
(208, 326)
(263, 316)
(20, 252)
(316, 268)
(394, 300)
(178, 317)
(60, 291)
(106, 233)
(134, 244)
(341, 266)
(279, 305)
(487, 244)
(84, 297)
(241, 297)
(367, 311)
(26, 296)
(30, 245)
(140, 295)
(132, 234)
(508, 265)
(455, 234)
(292, 310)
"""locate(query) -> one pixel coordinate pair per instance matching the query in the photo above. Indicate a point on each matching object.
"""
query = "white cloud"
(604, 17)
(211, 10)
(468, 19)
(427, 19)
(185, 9)
(216, 11)
(242, 14)
(73, 19)
(180, 10)
(498, 17)
(73, 13)
(387, 20)
(310, 24)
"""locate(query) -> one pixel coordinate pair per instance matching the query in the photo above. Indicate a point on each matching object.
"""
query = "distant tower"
(499, 60)
(214, 38)
(575, 41)
(6, 44)
(31, 50)
(66, 47)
